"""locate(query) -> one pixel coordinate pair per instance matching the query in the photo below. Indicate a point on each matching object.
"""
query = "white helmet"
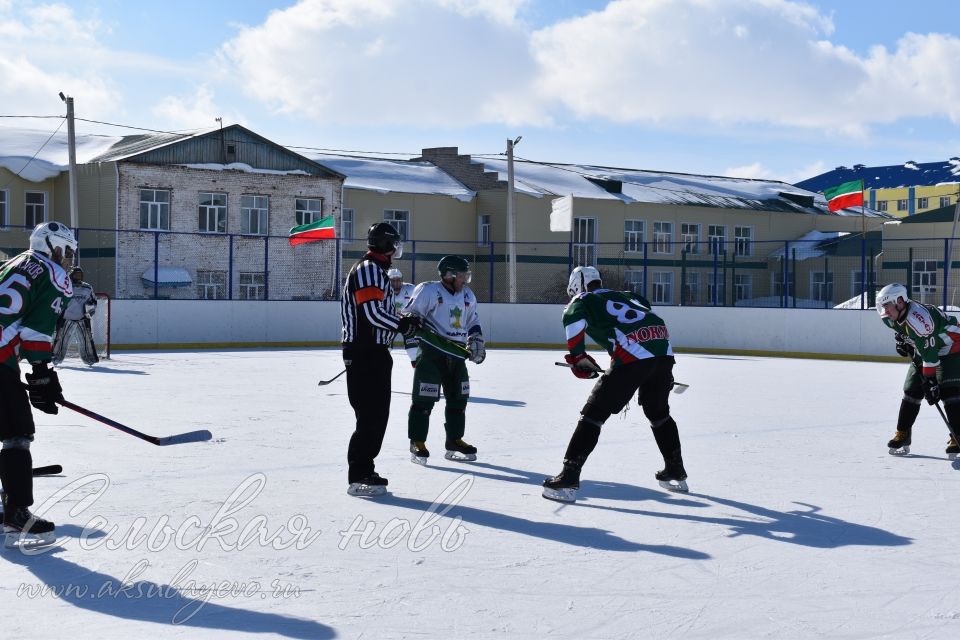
(394, 274)
(580, 278)
(47, 236)
(889, 294)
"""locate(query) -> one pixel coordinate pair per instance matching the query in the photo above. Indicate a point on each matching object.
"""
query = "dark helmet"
(76, 270)
(383, 238)
(454, 264)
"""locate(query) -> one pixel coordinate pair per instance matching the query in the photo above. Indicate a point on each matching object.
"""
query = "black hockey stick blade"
(49, 470)
(192, 436)
(323, 383)
(678, 387)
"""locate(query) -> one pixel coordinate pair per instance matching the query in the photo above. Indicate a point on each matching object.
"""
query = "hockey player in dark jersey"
(641, 362)
(34, 287)
(931, 339)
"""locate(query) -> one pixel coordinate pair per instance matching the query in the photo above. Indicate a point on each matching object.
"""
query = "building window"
(690, 237)
(923, 203)
(253, 215)
(211, 285)
(743, 237)
(346, 225)
(925, 280)
(742, 287)
(663, 237)
(633, 280)
(821, 286)
(36, 208)
(717, 237)
(4, 208)
(881, 205)
(483, 229)
(213, 212)
(716, 289)
(662, 287)
(400, 220)
(944, 201)
(691, 288)
(308, 210)
(584, 242)
(633, 236)
(155, 209)
(902, 204)
(252, 286)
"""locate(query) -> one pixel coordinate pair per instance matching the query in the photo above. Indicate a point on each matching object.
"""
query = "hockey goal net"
(100, 326)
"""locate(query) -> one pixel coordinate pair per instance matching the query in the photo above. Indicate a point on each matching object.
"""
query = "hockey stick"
(678, 387)
(181, 438)
(49, 470)
(442, 344)
(323, 383)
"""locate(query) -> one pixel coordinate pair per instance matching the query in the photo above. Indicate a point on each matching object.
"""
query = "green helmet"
(454, 265)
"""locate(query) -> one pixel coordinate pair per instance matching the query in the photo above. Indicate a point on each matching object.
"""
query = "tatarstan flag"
(848, 194)
(322, 229)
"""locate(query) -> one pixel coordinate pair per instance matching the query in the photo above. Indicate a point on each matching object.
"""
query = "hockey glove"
(583, 366)
(409, 325)
(478, 352)
(903, 347)
(931, 390)
(43, 387)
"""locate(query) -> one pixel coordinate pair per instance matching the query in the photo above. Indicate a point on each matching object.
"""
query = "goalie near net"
(100, 328)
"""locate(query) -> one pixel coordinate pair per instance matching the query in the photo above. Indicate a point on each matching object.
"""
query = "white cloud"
(755, 170)
(758, 171)
(195, 111)
(425, 63)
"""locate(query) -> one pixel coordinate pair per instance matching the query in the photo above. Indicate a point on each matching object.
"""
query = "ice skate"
(952, 448)
(460, 451)
(673, 477)
(900, 443)
(22, 528)
(563, 487)
(372, 485)
(419, 453)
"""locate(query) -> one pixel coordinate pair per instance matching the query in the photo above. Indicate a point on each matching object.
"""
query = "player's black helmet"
(452, 265)
(76, 270)
(383, 238)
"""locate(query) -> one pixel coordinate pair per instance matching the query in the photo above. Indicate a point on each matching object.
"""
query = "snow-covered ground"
(798, 523)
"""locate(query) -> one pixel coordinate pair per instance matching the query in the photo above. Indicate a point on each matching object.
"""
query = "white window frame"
(213, 212)
(777, 286)
(742, 287)
(661, 287)
(821, 286)
(34, 212)
(634, 233)
(157, 211)
(881, 205)
(743, 245)
(924, 273)
(254, 215)
(690, 237)
(483, 229)
(4, 208)
(307, 210)
(346, 224)
(211, 284)
(903, 204)
(400, 219)
(691, 295)
(944, 201)
(923, 203)
(252, 285)
(718, 241)
(584, 233)
(721, 286)
(663, 237)
(633, 280)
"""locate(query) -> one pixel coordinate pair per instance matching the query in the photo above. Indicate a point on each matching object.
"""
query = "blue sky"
(756, 88)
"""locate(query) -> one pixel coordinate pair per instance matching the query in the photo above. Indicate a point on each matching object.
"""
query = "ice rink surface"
(798, 523)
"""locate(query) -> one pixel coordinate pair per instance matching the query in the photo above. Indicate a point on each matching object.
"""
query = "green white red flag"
(322, 229)
(848, 194)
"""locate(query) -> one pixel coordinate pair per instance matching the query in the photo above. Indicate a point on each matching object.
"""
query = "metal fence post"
(156, 265)
(336, 283)
(266, 268)
(230, 267)
(491, 271)
(863, 272)
(946, 270)
(645, 271)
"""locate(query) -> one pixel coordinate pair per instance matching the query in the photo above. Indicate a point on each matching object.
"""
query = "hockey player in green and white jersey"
(452, 334)
(641, 362)
(34, 287)
(931, 339)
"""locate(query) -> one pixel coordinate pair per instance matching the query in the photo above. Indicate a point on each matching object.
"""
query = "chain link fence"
(834, 271)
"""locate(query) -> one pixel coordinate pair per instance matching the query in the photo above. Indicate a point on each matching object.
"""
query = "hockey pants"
(435, 370)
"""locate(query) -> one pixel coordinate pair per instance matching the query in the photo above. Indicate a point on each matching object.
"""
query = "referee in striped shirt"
(369, 327)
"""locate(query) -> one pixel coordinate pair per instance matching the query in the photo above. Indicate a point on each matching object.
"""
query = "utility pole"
(72, 148)
(511, 222)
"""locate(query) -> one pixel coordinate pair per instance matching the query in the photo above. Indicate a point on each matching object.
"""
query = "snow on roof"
(19, 146)
(386, 176)
(810, 244)
(243, 166)
(167, 276)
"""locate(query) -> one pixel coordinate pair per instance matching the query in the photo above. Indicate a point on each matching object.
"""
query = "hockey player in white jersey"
(402, 292)
(452, 333)
(75, 321)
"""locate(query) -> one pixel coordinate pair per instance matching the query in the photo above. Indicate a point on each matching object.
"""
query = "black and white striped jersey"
(367, 305)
